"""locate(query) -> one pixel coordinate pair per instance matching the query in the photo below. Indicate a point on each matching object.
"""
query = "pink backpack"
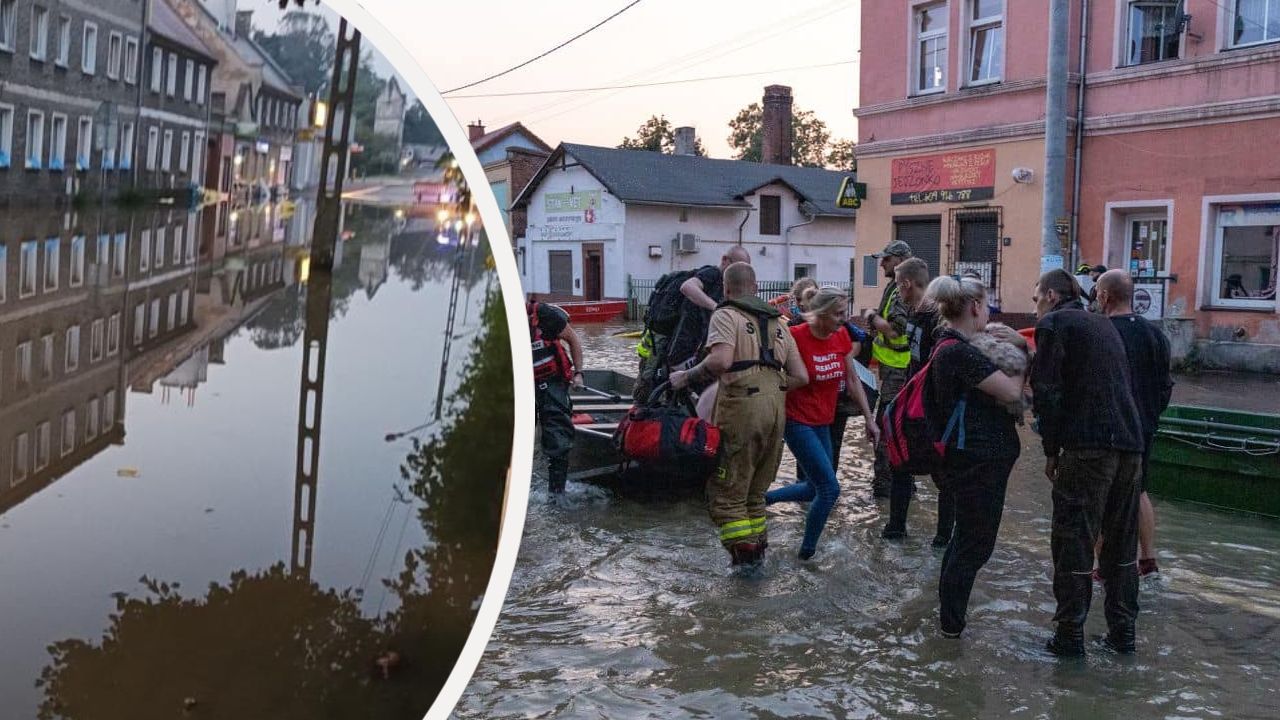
(913, 445)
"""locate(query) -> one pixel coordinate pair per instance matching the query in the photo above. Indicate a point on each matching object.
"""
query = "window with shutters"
(560, 266)
(924, 235)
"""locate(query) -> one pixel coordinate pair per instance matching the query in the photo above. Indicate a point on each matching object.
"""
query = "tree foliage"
(303, 46)
(840, 155)
(809, 136)
(420, 128)
(657, 135)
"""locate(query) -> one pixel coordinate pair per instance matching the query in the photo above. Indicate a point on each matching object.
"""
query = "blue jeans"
(811, 444)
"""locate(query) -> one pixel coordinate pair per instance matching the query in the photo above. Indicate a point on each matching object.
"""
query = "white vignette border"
(516, 499)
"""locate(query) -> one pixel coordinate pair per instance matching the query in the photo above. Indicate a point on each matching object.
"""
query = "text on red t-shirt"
(815, 403)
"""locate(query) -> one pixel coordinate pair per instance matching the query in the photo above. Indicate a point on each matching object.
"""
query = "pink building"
(1177, 178)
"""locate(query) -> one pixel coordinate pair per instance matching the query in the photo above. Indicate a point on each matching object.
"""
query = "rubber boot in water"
(556, 483)
(746, 554)
(1068, 641)
(1121, 640)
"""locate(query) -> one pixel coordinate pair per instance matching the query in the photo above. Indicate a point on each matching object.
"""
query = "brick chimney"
(475, 130)
(686, 141)
(244, 23)
(775, 146)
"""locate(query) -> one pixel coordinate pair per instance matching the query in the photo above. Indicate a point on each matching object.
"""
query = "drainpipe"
(142, 82)
(743, 224)
(786, 237)
(1075, 190)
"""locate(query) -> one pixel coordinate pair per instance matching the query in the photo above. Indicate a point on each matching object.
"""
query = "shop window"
(1246, 238)
(1154, 32)
(1147, 238)
(929, 56)
(1254, 22)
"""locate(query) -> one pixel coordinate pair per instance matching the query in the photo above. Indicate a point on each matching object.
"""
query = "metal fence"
(639, 290)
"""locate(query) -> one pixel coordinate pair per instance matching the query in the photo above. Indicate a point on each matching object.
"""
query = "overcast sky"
(657, 40)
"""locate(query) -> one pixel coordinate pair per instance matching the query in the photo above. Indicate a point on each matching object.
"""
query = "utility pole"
(1054, 224)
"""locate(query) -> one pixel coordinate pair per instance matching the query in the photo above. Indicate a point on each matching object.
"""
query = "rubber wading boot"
(1068, 641)
(556, 483)
(746, 553)
(1121, 640)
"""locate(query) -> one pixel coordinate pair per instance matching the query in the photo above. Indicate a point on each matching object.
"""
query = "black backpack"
(666, 303)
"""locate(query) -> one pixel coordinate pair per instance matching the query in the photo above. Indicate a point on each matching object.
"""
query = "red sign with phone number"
(948, 177)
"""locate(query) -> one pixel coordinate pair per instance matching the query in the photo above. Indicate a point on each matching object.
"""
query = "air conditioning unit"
(686, 243)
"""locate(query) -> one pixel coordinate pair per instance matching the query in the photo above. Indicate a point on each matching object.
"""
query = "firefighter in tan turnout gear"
(754, 358)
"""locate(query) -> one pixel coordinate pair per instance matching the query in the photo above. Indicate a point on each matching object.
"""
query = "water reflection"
(375, 601)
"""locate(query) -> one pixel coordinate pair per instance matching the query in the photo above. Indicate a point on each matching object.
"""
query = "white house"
(597, 216)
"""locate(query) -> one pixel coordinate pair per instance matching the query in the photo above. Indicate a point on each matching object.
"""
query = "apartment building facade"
(175, 100)
(1169, 109)
(69, 72)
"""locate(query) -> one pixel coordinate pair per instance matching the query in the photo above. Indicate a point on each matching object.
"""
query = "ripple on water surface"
(626, 609)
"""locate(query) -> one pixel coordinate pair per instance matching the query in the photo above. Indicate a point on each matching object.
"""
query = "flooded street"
(168, 544)
(626, 609)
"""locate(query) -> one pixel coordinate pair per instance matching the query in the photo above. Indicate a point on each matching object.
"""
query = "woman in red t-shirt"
(827, 350)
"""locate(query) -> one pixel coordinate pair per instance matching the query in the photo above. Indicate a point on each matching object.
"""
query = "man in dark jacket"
(1093, 450)
(1147, 349)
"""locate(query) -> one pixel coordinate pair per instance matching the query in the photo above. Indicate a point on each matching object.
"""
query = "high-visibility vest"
(894, 353)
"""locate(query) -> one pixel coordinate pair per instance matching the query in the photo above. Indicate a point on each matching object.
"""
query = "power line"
(628, 6)
(657, 83)
(699, 57)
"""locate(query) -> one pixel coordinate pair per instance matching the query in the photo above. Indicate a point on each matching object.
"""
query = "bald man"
(679, 351)
(1147, 350)
(754, 358)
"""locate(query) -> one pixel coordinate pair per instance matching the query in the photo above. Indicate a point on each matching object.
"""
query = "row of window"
(1151, 31)
(116, 155)
(104, 342)
(158, 320)
(28, 456)
(151, 254)
(273, 112)
(122, 50)
(193, 79)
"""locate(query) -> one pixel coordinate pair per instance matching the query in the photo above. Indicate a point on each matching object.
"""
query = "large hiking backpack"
(666, 303)
(912, 444)
(664, 431)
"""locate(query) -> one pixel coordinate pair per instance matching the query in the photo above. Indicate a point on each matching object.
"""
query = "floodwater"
(621, 608)
(170, 546)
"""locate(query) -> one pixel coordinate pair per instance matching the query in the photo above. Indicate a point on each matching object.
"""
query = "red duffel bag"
(668, 434)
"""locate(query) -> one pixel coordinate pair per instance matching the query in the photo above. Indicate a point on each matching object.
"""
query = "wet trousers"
(838, 427)
(902, 487)
(891, 381)
(1096, 494)
(811, 444)
(751, 423)
(555, 417)
(978, 486)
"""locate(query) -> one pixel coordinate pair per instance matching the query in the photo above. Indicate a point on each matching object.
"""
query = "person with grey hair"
(966, 387)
